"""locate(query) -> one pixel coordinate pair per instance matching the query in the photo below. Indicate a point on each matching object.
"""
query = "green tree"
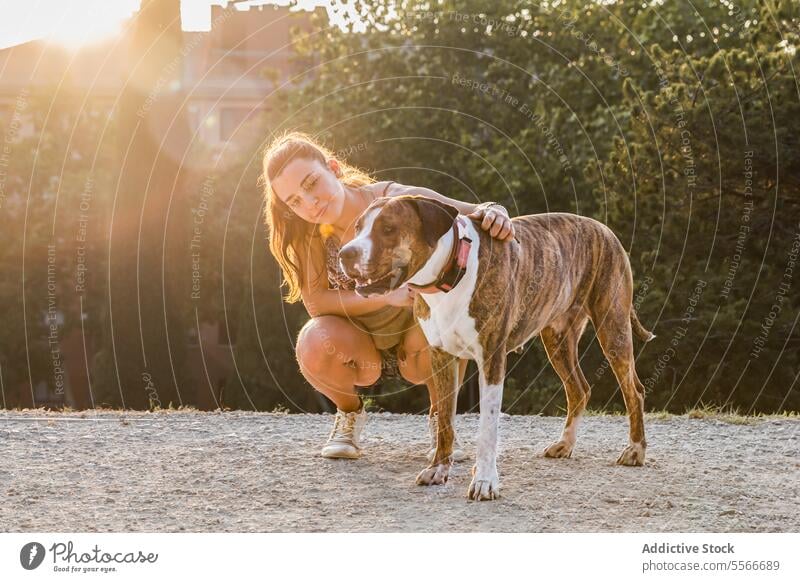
(587, 107)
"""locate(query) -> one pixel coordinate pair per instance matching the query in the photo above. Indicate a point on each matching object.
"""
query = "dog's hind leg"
(614, 331)
(485, 483)
(443, 389)
(561, 343)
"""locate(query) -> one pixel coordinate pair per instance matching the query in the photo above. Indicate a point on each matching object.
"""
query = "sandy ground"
(258, 472)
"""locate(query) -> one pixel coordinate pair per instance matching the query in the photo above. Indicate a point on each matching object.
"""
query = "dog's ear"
(436, 217)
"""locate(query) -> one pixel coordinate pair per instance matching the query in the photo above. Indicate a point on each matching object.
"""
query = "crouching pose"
(312, 203)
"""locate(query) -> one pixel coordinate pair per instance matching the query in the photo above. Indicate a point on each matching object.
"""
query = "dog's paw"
(484, 487)
(559, 450)
(632, 456)
(434, 475)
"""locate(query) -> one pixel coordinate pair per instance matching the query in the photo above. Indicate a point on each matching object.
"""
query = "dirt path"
(236, 471)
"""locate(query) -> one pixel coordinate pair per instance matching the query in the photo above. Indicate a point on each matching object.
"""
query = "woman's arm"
(495, 218)
(319, 300)
(349, 303)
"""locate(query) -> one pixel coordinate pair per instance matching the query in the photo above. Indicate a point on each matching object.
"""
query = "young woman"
(312, 203)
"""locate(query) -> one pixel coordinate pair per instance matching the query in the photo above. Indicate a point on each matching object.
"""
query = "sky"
(75, 23)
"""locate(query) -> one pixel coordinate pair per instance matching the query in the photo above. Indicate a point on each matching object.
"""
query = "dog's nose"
(348, 254)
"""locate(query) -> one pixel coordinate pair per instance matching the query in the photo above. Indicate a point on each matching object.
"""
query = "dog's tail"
(638, 329)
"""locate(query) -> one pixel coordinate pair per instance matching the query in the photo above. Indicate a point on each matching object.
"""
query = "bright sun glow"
(73, 23)
(76, 23)
(83, 22)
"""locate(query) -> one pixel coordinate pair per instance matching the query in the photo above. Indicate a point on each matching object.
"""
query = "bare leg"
(335, 357)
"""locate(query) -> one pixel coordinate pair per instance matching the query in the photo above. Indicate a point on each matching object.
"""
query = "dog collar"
(455, 266)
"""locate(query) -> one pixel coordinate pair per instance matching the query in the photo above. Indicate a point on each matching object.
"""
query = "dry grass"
(728, 414)
(733, 415)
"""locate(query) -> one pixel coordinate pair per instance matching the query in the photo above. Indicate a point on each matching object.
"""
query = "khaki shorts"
(387, 325)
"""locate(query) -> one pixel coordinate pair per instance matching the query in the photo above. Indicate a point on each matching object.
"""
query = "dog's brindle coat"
(560, 271)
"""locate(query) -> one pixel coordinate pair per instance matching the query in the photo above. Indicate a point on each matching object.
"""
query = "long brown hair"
(291, 237)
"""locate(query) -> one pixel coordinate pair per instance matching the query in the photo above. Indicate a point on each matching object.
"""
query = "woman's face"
(311, 189)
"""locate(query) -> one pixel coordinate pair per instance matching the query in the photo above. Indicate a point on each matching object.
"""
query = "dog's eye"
(388, 229)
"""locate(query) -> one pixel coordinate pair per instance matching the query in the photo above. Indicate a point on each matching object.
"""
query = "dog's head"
(394, 238)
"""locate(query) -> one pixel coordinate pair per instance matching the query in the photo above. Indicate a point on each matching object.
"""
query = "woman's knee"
(415, 363)
(415, 366)
(316, 342)
(329, 340)
(412, 371)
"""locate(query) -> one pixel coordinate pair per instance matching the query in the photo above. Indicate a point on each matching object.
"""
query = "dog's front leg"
(485, 480)
(444, 368)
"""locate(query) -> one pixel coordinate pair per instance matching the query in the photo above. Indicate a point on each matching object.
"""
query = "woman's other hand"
(495, 220)
(401, 297)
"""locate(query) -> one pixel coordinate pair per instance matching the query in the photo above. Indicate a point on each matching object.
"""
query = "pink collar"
(455, 266)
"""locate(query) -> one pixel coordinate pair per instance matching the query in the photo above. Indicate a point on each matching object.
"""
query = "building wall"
(228, 72)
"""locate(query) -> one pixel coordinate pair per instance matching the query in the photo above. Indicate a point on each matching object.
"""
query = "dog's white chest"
(452, 329)
(450, 325)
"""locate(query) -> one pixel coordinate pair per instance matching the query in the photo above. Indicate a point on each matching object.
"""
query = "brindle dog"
(559, 272)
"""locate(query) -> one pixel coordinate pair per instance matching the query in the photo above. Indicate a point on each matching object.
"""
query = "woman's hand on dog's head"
(495, 220)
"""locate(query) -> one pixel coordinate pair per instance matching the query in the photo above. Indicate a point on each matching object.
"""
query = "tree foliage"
(675, 123)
